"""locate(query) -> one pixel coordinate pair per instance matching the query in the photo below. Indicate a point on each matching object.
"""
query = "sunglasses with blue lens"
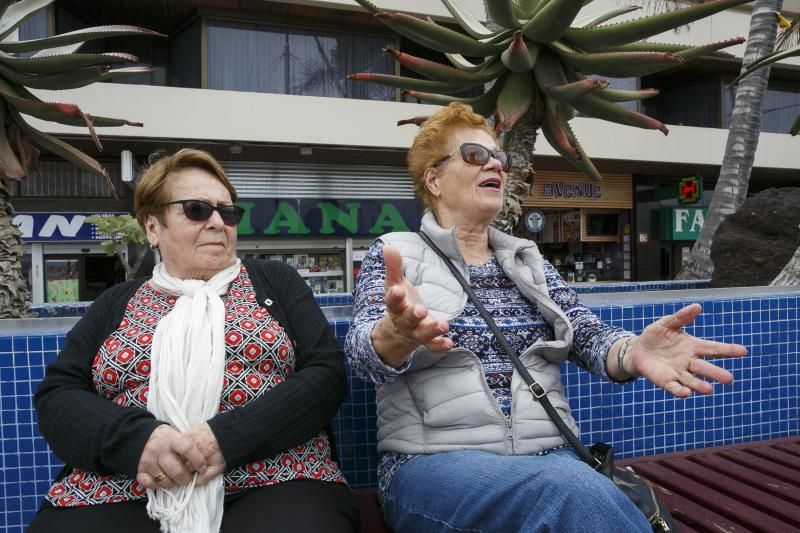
(200, 211)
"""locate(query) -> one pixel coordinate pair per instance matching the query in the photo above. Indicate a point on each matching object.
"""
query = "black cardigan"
(92, 433)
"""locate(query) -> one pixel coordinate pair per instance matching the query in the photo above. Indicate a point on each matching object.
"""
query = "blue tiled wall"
(637, 419)
(327, 300)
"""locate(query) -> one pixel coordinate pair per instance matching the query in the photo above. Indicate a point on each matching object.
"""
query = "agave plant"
(538, 61)
(54, 65)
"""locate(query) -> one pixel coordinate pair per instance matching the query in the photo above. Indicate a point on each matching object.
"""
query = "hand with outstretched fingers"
(408, 324)
(676, 361)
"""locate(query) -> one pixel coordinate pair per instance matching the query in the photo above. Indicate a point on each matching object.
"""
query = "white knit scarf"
(187, 367)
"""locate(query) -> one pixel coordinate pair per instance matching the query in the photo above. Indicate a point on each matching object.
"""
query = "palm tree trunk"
(519, 143)
(740, 150)
(790, 275)
(14, 294)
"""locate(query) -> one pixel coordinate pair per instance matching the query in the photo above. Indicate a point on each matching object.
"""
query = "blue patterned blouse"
(519, 320)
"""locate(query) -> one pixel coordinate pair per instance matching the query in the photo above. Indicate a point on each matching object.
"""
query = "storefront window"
(779, 109)
(323, 271)
(186, 68)
(690, 103)
(581, 227)
(258, 58)
(62, 280)
(151, 52)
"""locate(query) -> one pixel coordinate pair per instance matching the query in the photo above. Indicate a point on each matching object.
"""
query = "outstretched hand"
(408, 323)
(675, 361)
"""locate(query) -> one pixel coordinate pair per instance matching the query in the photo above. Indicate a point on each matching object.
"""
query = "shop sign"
(49, 227)
(682, 223)
(282, 217)
(560, 189)
(534, 221)
(690, 190)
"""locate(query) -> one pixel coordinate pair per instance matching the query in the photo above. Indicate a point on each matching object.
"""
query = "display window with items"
(323, 271)
(581, 227)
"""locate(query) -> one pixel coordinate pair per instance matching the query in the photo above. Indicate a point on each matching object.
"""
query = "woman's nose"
(215, 220)
(494, 164)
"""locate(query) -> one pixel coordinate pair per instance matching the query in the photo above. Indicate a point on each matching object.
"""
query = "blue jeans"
(475, 491)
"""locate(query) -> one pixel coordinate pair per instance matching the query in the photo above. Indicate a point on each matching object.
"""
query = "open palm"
(674, 360)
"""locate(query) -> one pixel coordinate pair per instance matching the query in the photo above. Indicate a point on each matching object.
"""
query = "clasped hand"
(171, 457)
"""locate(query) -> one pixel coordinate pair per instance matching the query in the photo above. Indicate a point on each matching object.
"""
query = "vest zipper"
(509, 433)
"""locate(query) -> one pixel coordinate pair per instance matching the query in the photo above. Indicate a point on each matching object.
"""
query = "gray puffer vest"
(442, 402)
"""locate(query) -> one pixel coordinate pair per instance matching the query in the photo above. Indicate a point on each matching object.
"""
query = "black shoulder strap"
(534, 387)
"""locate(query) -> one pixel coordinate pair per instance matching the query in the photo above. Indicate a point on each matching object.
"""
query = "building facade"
(320, 165)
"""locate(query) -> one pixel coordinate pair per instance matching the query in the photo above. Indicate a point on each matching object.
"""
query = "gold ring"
(161, 476)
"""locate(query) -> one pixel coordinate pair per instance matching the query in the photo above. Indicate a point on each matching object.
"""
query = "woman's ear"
(152, 229)
(431, 179)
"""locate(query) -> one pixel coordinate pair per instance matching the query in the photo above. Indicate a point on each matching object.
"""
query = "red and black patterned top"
(259, 356)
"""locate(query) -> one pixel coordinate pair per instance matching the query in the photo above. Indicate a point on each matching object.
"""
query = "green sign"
(304, 217)
(682, 223)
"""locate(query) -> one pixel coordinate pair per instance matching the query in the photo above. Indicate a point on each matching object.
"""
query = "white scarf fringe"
(187, 371)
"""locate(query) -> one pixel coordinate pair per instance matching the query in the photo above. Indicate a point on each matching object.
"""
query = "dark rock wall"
(754, 244)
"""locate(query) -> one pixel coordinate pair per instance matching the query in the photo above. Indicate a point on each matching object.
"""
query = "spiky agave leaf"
(75, 37)
(516, 96)
(56, 65)
(537, 52)
(559, 134)
(551, 20)
(605, 17)
(622, 95)
(644, 27)
(502, 12)
(484, 104)
(439, 72)
(466, 20)
(519, 56)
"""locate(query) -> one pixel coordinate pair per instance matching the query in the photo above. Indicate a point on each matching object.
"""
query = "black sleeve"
(82, 428)
(301, 406)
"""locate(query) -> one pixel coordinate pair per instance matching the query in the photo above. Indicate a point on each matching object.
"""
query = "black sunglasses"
(477, 154)
(200, 211)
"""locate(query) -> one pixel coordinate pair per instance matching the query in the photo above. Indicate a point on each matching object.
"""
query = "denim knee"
(577, 499)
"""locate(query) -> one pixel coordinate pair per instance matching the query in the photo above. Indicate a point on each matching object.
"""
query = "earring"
(154, 247)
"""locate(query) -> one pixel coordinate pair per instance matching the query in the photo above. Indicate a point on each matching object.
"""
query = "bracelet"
(621, 355)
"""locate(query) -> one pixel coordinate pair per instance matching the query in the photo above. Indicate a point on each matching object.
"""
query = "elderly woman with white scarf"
(199, 398)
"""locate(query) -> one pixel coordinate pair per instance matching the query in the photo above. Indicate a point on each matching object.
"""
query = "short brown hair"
(430, 144)
(151, 190)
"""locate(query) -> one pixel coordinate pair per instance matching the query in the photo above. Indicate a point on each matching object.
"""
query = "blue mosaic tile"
(637, 419)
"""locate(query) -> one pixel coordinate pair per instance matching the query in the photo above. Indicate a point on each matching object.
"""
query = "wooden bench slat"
(733, 510)
(753, 476)
(789, 447)
(746, 494)
(762, 465)
(683, 509)
(786, 459)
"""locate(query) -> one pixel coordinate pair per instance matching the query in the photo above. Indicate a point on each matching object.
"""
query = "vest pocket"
(452, 397)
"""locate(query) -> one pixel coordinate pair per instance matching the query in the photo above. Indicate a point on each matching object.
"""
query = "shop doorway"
(58, 273)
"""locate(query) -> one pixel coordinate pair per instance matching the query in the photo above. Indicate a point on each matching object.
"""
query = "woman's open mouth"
(491, 183)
